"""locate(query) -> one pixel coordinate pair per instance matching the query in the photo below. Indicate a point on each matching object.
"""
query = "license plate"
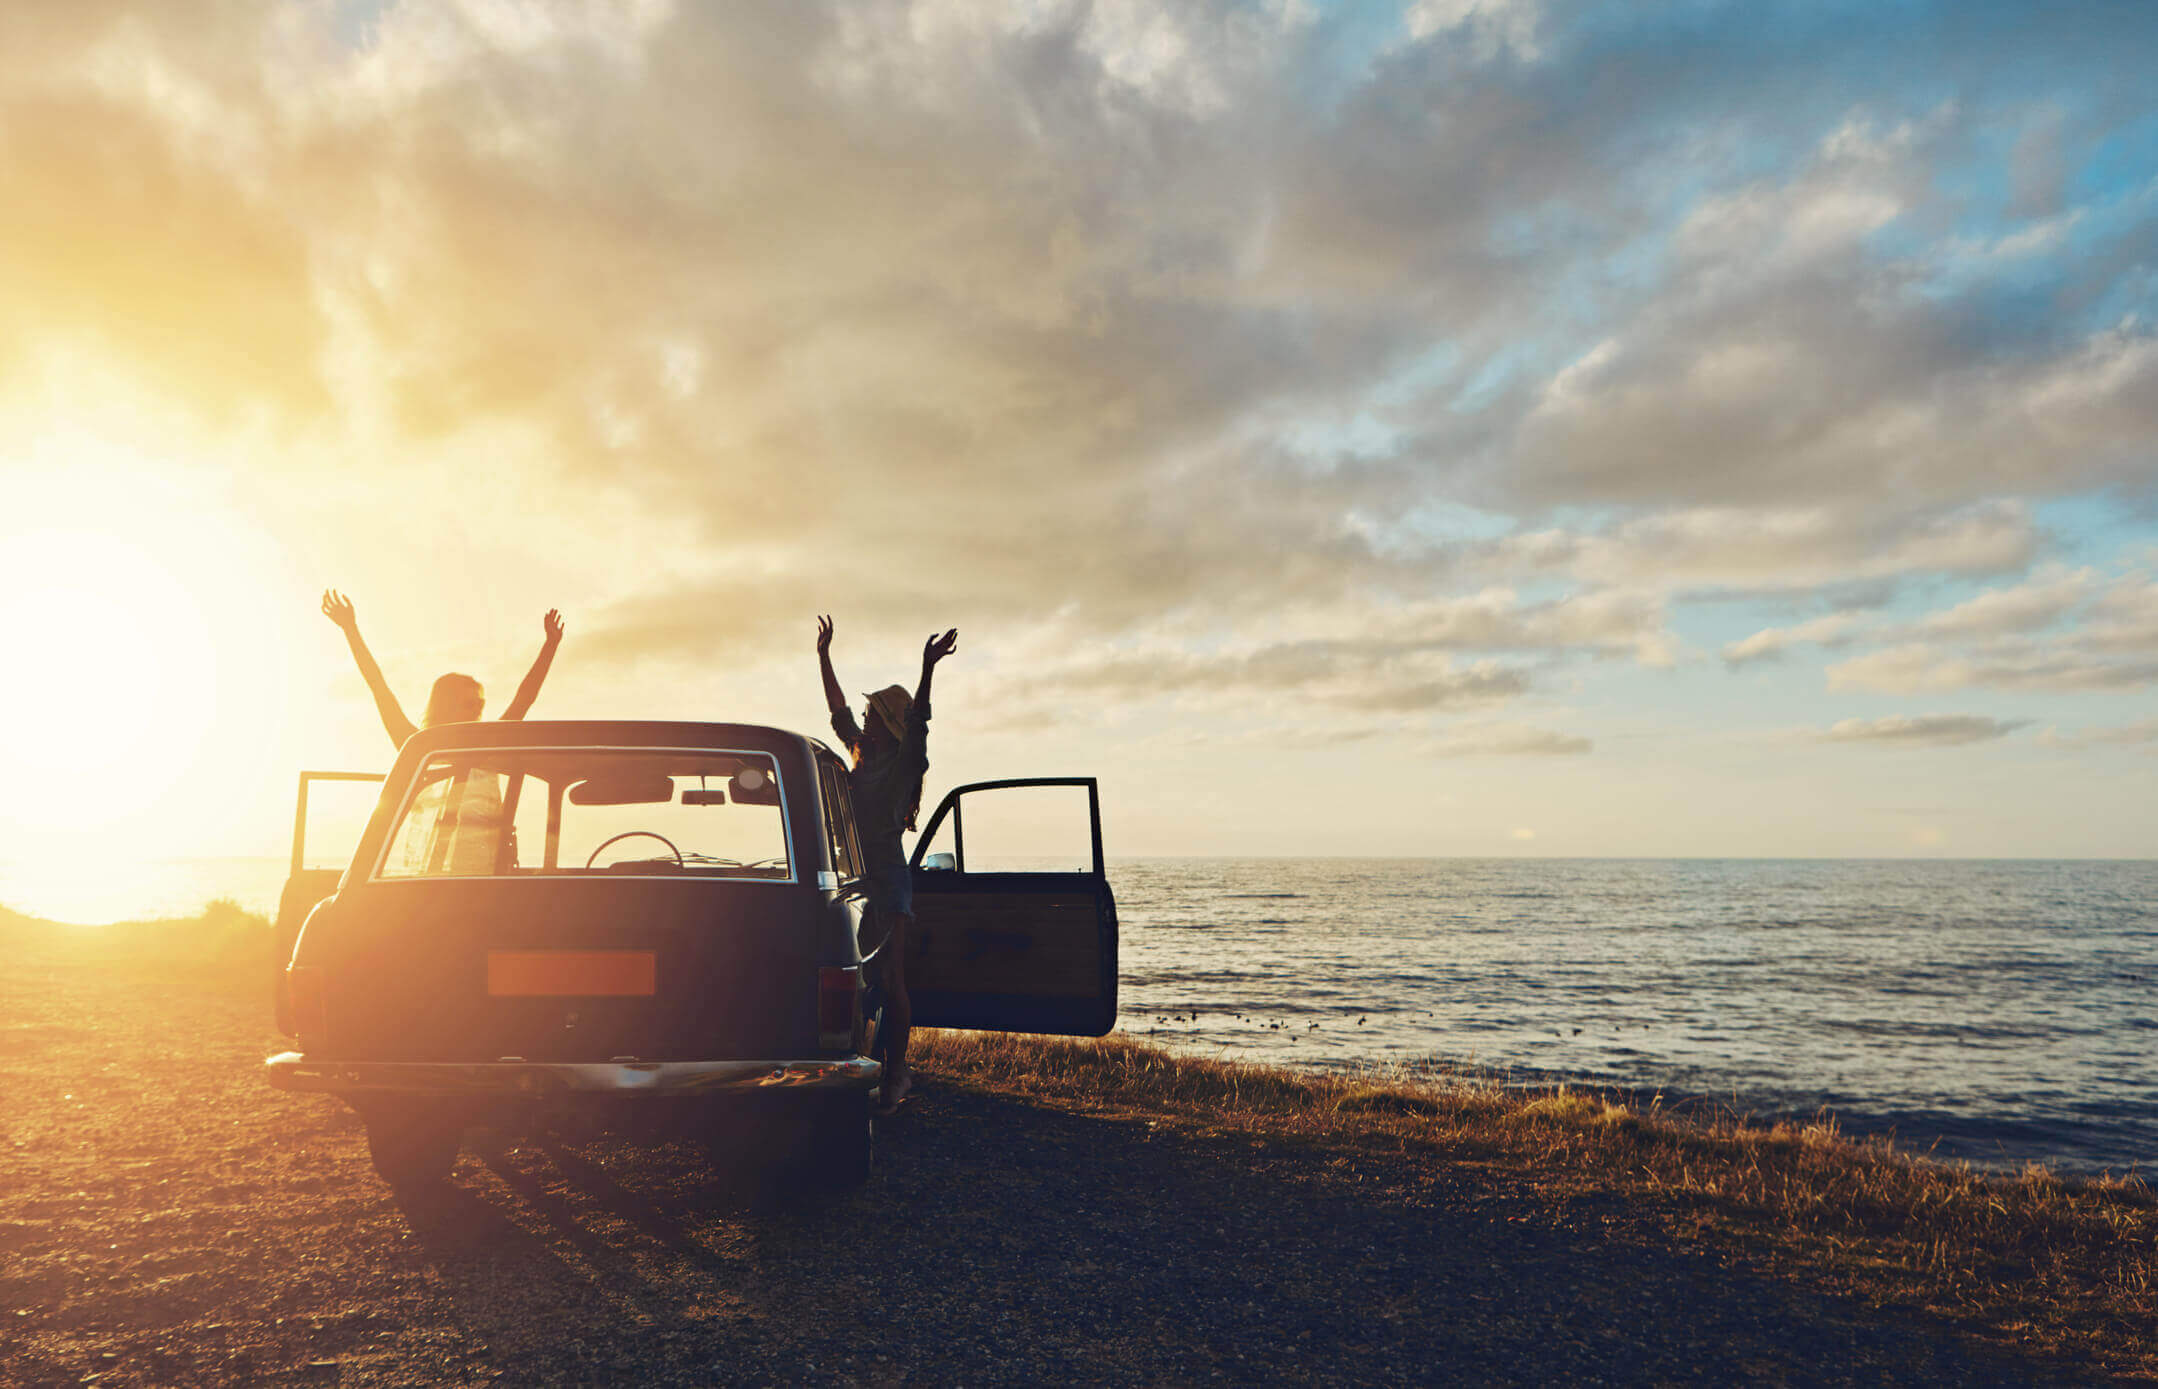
(570, 973)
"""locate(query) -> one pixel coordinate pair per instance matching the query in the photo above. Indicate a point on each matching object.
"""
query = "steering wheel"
(632, 834)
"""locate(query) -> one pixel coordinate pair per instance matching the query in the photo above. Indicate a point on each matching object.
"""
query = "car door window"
(839, 819)
(331, 818)
(1016, 829)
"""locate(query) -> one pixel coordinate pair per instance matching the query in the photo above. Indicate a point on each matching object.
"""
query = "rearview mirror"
(753, 786)
(715, 796)
(623, 788)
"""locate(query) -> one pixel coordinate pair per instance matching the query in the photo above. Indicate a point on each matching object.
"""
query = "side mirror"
(941, 863)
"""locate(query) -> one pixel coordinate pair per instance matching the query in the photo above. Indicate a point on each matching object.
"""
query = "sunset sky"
(1474, 427)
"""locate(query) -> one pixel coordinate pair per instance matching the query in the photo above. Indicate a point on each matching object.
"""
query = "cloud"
(2141, 733)
(2027, 607)
(2061, 632)
(1492, 27)
(1790, 358)
(1507, 740)
(1355, 676)
(1923, 730)
(1770, 643)
(146, 121)
(1697, 550)
(2060, 667)
(2124, 618)
(1478, 686)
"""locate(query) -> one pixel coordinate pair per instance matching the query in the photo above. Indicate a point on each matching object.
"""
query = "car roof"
(632, 733)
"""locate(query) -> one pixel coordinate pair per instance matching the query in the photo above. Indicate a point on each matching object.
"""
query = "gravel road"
(167, 1219)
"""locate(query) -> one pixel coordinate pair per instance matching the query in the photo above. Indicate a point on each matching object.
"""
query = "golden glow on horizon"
(115, 687)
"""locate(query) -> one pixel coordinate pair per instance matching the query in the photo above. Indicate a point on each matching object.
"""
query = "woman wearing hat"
(891, 751)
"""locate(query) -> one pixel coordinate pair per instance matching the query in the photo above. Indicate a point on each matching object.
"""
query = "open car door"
(310, 880)
(999, 946)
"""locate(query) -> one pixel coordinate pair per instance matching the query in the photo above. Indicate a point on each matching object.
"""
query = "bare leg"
(898, 1015)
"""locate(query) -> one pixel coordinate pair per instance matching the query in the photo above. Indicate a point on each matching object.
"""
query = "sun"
(112, 682)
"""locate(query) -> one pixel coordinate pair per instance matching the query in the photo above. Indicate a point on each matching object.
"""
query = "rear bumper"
(292, 1070)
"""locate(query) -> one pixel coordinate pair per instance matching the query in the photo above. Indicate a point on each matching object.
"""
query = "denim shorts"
(891, 890)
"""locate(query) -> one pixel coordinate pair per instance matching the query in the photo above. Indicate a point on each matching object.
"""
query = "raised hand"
(338, 609)
(937, 648)
(834, 697)
(528, 689)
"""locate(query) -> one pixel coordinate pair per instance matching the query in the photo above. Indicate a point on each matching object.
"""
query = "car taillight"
(839, 991)
(304, 985)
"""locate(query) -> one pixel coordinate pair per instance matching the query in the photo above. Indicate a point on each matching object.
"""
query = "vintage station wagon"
(652, 928)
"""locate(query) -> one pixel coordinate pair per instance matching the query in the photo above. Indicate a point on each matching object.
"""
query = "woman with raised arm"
(469, 817)
(891, 751)
(454, 698)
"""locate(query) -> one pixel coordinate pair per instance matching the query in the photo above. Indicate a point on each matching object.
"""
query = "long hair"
(914, 811)
(450, 697)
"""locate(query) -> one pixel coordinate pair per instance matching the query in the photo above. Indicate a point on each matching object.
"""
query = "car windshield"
(521, 812)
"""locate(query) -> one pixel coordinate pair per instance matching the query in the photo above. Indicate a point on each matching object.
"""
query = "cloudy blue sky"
(1480, 426)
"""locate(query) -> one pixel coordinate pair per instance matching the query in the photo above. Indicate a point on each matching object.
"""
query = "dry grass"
(224, 941)
(2063, 1264)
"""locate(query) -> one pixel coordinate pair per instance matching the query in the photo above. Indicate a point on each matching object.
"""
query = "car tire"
(412, 1146)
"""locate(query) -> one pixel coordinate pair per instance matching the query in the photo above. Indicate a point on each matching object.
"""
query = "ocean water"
(1994, 1011)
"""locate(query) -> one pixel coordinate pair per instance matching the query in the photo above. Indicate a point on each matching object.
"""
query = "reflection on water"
(2006, 1010)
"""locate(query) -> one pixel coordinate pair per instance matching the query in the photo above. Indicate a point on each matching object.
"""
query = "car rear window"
(564, 812)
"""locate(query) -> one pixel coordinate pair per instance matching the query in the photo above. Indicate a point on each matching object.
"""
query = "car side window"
(839, 819)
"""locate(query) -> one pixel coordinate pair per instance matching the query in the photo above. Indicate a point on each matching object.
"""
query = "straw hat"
(891, 704)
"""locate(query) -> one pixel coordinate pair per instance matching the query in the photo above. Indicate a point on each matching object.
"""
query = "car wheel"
(412, 1146)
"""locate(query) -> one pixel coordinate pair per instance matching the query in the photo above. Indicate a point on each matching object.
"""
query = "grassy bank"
(222, 937)
(2037, 1260)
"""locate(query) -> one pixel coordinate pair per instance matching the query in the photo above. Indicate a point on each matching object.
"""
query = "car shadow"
(999, 1240)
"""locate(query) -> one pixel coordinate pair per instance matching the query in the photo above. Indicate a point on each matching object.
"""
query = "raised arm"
(537, 676)
(338, 609)
(933, 651)
(834, 697)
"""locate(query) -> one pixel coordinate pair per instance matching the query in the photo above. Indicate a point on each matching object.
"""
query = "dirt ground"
(165, 1218)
